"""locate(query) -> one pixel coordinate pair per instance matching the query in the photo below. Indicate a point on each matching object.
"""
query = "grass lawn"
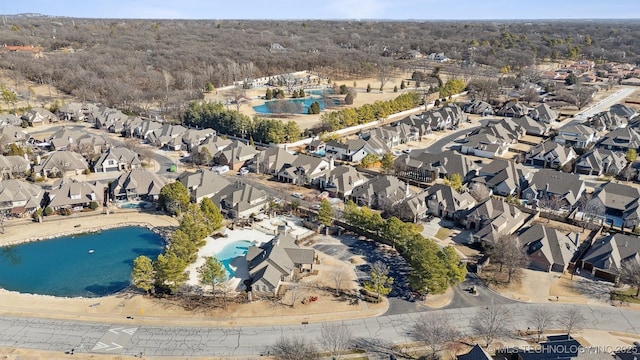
(443, 233)
(626, 296)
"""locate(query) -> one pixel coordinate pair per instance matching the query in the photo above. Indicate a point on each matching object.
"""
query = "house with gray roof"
(624, 111)
(13, 135)
(10, 120)
(549, 154)
(352, 150)
(478, 107)
(427, 167)
(137, 184)
(476, 353)
(60, 164)
(73, 194)
(305, 170)
(240, 200)
(417, 123)
(607, 120)
(577, 136)
(117, 159)
(491, 219)
(562, 187)
(79, 141)
(543, 113)
(621, 139)
(532, 127)
(203, 183)
(276, 262)
(144, 129)
(78, 112)
(381, 192)
(548, 249)
(212, 145)
(107, 117)
(194, 137)
(606, 255)
(235, 155)
(386, 134)
(39, 116)
(513, 109)
(620, 202)
(484, 145)
(503, 177)
(601, 161)
(443, 118)
(342, 180)
(169, 136)
(444, 202)
(271, 160)
(19, 197)
(13, 165)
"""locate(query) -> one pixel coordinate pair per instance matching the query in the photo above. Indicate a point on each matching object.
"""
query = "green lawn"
(626, 296)
(443, 233)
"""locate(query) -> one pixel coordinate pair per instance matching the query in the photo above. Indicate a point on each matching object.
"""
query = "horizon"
(348, 10)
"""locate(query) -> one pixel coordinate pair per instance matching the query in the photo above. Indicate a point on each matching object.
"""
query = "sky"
(329, 9)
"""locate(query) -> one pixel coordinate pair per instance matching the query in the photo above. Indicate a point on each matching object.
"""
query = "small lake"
(86, 265)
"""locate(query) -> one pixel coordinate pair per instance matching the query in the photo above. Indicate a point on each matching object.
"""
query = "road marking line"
(115, 330)
(115, 347)
(100, 346)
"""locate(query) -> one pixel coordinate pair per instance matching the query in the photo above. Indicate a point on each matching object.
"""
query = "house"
(208, 148)
(203, 183)
(10, 120)
(73, 194)
(512, 109)
(444, 118)
(427, 167)
(606, 255)
(60, 164)
(381, 192)
(13, 165)
(316, 146)
(549, 154)
(562, 188)
(107, 117)
(386, 134)
(543, 113)
(18, 198)
(235, 155)
(39, 116)
(476, 353)
(577, 136)
(271, 160)
(444, 202)
(169, 136)
(600, 161)
(416, 123)
(532, 127)
(548, 249)
(137, 184)
(478, 107)
(240, 200)
(304, 170)
(438, 57)
(78, 112)
(143, 129)
(491, 219)
(276, 262)
(608, 120)
(621, 203)
(623, 111)
(484, 145)
(503, 177)
(352, 150)
(194, 137)
(342, 180)
(13, 135)
(117, 159)
(621, 139)
(78, 140)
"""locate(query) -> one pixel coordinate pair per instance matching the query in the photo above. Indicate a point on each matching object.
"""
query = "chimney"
(577, 239)
(546, 188)
(332, 164)
(406, 190)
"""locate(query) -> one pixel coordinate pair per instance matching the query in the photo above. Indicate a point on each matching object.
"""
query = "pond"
(304, 104)
(85, 265)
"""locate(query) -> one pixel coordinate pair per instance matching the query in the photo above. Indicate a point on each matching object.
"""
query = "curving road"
(133, 339)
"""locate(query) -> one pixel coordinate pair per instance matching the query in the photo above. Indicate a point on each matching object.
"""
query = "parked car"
(407, 151)
(243, 171)
(315, 206)
(220, 169)
(297, 195)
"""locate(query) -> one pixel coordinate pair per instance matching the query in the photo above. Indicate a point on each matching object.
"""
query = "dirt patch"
(440, 300)
(357, 260)
(497, 281)
(443, 233)
(563, 287)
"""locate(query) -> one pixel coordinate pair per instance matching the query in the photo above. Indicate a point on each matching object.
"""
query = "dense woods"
(140, 65)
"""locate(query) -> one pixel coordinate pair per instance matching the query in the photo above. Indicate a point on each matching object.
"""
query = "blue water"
(131, 206)
(306, 102)
(232, 251)
(64, 267)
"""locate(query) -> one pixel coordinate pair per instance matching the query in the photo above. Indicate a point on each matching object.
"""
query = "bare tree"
(294, 348)
(628, 172)
(570, 318)
(335, 338)
(630, 274)
(542, 319)
(582, 94)
(515, 257)
(491, 322)
(337, 278)
(592, 207)
(435, 330)
(295, 293)
(530, 95)
(384, 74)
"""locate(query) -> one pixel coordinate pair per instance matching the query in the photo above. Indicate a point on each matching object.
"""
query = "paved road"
(56, 335)
(600, 106)
(443, 142)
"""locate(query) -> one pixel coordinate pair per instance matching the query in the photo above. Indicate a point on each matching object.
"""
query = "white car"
(243, 171)
(297, 195)
(315, 206)
(407, 150)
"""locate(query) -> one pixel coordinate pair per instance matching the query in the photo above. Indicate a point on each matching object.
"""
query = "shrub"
(87, 171)
(48, 211)
(94, 205)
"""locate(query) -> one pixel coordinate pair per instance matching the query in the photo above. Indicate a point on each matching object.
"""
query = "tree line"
(167, 273)
(433, 269)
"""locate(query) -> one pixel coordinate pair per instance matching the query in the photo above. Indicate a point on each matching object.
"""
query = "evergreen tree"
(387, 163)
(268, 95)
(174, 197)
(170, 271)
(402, 85)
(368, 88)
(348, 100)
(143, 275)
(212, 214)
(325, 213)
(212, 272)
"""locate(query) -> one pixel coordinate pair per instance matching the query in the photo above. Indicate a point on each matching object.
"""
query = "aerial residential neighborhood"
(473, 208)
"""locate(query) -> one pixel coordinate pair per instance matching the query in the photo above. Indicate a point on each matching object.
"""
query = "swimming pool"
(232, 251)
(86, 265)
